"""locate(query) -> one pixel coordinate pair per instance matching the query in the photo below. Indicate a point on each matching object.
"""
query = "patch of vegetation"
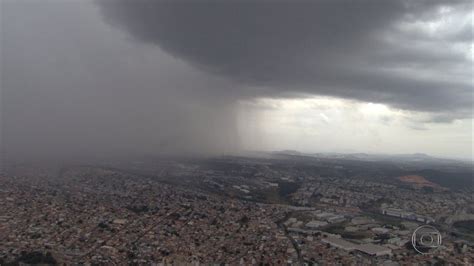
(387, 220)
(454, 180)
(270, 196)
(35, 257)
(335, 229)
(139, 209)
(339, 230)
(287, 188)
(244, 220)
(103, 225)
(355, 235)
(466, 226)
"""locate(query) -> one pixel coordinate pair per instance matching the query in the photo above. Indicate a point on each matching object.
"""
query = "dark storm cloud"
(350, 49)
(73, 86)
(167, 76)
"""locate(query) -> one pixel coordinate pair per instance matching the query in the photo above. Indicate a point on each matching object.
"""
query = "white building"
(339, 243)
(315, 224)
(374, 250)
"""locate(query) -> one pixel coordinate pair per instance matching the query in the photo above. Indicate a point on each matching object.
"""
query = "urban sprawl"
(228, 210)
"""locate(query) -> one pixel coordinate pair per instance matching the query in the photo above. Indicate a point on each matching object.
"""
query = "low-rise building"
(339, 243)
(374, 250)
(315, 224)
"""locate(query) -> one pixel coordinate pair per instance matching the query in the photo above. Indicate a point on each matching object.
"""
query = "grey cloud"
(445, 117)
(167, 76)
(73, 86)
(335, 48)
(465, 34)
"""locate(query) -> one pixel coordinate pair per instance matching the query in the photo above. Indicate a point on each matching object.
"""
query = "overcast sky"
(143, 76)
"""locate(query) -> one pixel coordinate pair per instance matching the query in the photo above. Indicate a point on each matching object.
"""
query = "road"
(292, 240)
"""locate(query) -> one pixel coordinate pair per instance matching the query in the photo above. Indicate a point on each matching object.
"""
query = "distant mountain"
(290, 152)
(403, 158)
